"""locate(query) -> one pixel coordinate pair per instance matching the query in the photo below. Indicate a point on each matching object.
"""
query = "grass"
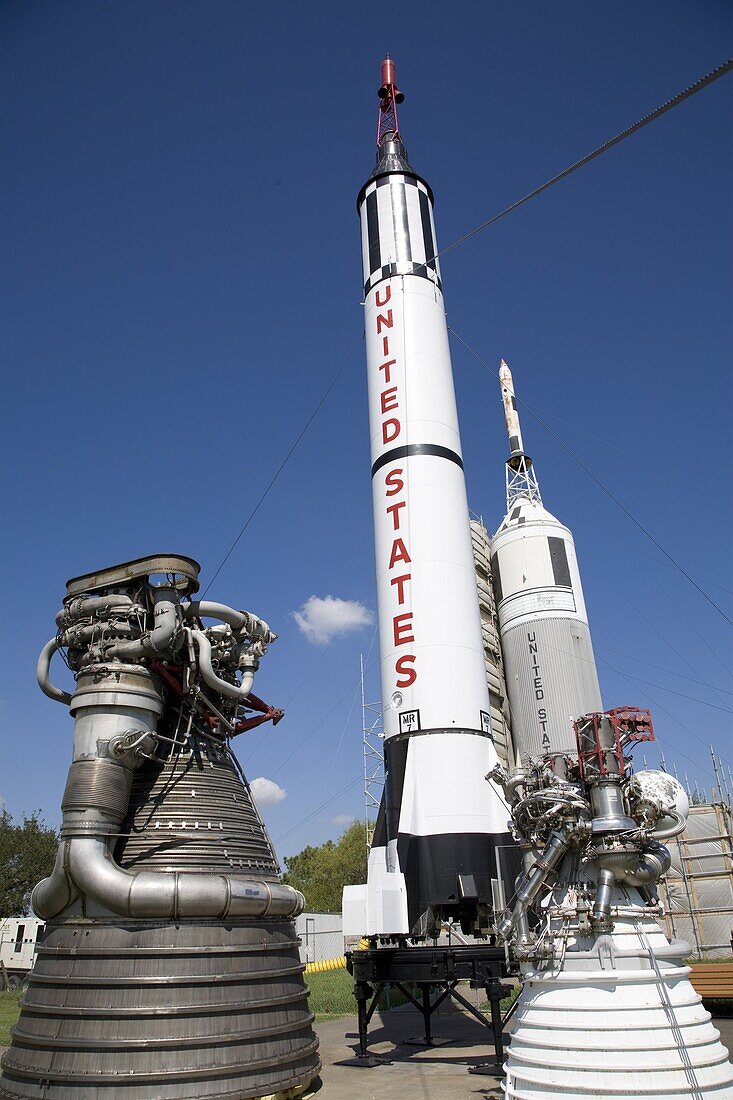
(505, 1004)
(332, 995)
(9, 1010)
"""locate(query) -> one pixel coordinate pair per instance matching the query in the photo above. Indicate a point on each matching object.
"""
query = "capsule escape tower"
(441, 831)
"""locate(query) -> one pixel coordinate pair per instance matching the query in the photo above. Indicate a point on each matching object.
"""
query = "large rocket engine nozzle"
(165, 874)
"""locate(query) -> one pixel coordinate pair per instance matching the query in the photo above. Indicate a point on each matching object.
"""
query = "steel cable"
(693, 89)
(600, 484)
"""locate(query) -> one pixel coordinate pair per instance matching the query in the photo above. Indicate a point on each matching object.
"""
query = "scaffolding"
(698, 889)
(494, 661)
(372, 736)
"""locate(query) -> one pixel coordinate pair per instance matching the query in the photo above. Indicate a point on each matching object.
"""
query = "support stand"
(364, 1011)
(498, 1025)
(428, 968)
(427, 1008)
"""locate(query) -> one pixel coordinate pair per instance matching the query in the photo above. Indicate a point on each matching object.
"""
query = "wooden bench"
(714, 980)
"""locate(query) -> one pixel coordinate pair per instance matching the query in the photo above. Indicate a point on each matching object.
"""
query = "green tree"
(321, 873)
(27, 854)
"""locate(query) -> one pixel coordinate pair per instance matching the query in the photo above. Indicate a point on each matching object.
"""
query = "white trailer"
(321, 936)
(19, 939)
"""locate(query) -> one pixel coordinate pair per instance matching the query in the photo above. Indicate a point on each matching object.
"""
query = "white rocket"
(440, 825)
(548, 656)
(606, 1009)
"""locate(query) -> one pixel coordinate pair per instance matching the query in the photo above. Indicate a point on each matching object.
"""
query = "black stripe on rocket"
(560, 565)
(411, 449)
(427, 230)
(373, 232)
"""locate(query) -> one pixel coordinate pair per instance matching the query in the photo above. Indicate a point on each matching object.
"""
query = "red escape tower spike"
(390, 96)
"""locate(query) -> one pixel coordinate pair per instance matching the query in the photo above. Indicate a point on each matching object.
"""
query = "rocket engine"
(606, 1009)
(170, 967)
(438, 836)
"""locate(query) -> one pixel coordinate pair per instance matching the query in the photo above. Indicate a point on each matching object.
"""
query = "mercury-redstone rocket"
(440, 825)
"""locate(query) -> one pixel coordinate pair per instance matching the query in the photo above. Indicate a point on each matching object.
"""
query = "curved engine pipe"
(157, 640)
(171, 895)
(672, 830)
(85, 865)
(43, 669)
(209, 676)
(530, 883)
(238, 620)
(53, 894)
(82, 606)
(636, 868)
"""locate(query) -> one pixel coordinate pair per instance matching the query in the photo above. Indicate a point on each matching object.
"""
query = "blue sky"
(181, 282)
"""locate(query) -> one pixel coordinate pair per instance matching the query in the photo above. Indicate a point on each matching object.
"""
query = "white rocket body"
(437, 836)
(548, 655)
(431, 649)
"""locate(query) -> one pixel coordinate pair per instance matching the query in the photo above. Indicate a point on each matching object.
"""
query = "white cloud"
(321, 618)
(343, 819)
(266, 792)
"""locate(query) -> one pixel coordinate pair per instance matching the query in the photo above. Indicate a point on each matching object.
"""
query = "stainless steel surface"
(153, 1011)
(186, 571)
(171, 968)
(588, 826)
(555, 640)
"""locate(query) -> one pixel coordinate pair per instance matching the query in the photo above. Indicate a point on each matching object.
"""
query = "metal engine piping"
(117, 705)
(595, 809)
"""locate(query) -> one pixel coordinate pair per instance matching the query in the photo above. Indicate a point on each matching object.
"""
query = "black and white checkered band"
(398, 232)
(390, 270)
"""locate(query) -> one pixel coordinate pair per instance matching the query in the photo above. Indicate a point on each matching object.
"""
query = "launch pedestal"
(428, 968)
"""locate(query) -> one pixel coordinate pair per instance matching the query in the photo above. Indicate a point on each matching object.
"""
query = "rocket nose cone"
(505, 375)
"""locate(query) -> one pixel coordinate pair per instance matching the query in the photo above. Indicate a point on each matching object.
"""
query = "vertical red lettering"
(390, 430)
(399, 583)
(384, 319)
(402, 627)
(389, 399)
(385, 367)
(403, 669)
(394, 482)
(385, 346)
(387, 295)
(399, 553)
(394, 511)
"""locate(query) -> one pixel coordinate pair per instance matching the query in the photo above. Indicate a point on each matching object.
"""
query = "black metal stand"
(498, 1024)
(428, 968)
